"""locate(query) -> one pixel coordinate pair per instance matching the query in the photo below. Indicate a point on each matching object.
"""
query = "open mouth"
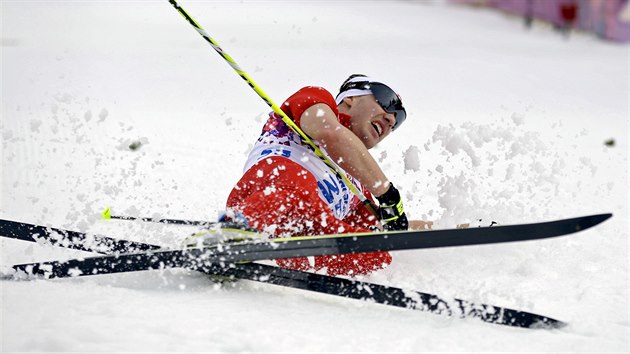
(378, 128)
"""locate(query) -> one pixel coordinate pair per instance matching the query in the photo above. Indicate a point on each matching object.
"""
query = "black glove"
(391, 210)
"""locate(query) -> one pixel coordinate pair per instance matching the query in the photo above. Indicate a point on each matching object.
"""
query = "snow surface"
(505, 124)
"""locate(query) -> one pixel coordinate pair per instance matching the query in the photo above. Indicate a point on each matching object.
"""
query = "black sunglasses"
(385, 97)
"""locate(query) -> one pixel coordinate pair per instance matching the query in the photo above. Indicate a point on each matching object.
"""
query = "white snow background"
(505, 124)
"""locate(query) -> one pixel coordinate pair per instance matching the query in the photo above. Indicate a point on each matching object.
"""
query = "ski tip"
(592, 220)
(547, 323)
(107, 214)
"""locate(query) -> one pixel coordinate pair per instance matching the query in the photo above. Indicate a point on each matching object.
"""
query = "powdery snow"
(504, 125)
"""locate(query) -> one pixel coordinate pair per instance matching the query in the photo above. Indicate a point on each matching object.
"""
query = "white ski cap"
(386, 97)
(355, 91)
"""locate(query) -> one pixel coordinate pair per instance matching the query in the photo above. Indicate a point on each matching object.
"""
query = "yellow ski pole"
(305, 138)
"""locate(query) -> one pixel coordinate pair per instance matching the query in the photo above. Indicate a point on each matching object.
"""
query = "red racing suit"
(286, 190)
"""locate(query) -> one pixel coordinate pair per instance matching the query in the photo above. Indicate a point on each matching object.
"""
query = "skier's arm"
(420, 225)
(428, 225)
(346, 149)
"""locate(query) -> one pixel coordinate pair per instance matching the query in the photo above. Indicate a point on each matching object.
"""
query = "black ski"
(295, 279)
(249, 251)
(70, 239)
(387, 295)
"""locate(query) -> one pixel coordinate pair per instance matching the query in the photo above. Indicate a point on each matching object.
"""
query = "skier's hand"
(391, 210)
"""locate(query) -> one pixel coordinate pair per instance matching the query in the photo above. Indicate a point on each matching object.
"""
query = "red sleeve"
(304, 98)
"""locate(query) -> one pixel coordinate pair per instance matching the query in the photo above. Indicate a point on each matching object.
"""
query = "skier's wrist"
(391, 210)
(390, 196)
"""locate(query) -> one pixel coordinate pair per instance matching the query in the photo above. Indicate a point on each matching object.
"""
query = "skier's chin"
(369, 142)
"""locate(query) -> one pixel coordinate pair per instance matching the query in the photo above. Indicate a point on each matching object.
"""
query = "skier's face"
(369, 121)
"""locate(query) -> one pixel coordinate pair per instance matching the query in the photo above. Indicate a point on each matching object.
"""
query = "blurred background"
(607, 19)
